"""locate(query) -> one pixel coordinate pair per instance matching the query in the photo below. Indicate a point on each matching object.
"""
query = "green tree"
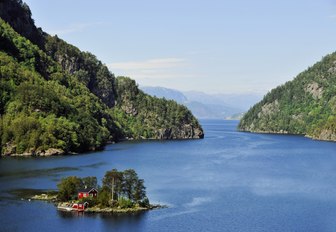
(113, 182)
(133, 187)
(140, 191)
(129, 182)
(68, 188)
(104, 197)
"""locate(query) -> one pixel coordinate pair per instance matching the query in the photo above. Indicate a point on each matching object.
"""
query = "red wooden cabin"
(87, 192)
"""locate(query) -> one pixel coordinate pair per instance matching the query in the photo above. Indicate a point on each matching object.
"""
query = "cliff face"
(151, 117)
(19, 15)
(56, 99)
(306, 105)
(85, 66)
(186, 131)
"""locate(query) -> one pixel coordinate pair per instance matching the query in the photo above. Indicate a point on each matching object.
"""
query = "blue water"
(229, 181)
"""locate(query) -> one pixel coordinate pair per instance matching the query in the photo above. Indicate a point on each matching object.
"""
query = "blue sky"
(215, 46)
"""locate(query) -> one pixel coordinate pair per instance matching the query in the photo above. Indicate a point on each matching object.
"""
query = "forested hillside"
(56, 99)
(306, 105)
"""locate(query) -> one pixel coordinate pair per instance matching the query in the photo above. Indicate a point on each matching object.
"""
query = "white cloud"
(149, 64)
(73, 28)
(161, 68)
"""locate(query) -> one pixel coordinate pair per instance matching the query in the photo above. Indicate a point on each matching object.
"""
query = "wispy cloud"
(149, 64)
(332, 16)
(77, 27)
(162, 68)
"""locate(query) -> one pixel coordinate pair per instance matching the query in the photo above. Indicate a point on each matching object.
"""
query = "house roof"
(87, 190)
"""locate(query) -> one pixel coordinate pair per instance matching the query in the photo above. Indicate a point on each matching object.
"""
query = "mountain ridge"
(56, 99)
(207, 106)
(305, 106)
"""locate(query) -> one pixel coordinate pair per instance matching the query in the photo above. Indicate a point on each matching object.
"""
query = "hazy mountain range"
(208, 106)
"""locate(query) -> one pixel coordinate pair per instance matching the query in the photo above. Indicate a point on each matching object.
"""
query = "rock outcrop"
(186, 132)
(159, 119)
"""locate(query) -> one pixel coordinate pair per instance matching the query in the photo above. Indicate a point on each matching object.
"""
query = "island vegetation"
(305, 105)
(120, 192)
(56, 99)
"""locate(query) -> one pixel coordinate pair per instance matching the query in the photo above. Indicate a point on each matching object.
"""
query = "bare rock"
(50, 152)
(315, 90)
(187, 131)
(327, 134)
(9, 149)
(269, 109)
(129, 108)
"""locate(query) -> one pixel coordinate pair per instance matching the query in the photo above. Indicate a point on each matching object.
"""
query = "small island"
(121, 192)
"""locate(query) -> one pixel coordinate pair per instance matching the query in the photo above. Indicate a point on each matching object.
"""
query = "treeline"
(141, 115)
(306, 105)
(54, 96)
(121, 189)
(40, 112)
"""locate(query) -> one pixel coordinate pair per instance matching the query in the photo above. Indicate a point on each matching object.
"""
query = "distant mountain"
(161, 92)
(240, 101)
(208, 106)
(211, 111)
(305, 105)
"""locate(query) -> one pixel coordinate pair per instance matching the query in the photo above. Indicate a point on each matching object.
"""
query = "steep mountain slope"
(144, 114)
(18, 14)
(56, 99)
(306, 105)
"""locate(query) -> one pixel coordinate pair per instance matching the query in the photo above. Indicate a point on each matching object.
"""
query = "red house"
(87, 192)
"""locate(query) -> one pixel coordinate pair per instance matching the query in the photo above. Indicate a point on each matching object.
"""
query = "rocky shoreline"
(109, 210)
(328, 138)
(188, 133)
(49, 152)
(59, 152)
(52, 198)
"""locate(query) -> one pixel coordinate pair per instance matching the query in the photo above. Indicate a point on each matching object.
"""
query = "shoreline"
(110, 210)
(52, 152)
(66, 206)
(286, 133)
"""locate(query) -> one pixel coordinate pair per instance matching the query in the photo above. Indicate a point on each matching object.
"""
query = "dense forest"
(56, 99)
(305, 105)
